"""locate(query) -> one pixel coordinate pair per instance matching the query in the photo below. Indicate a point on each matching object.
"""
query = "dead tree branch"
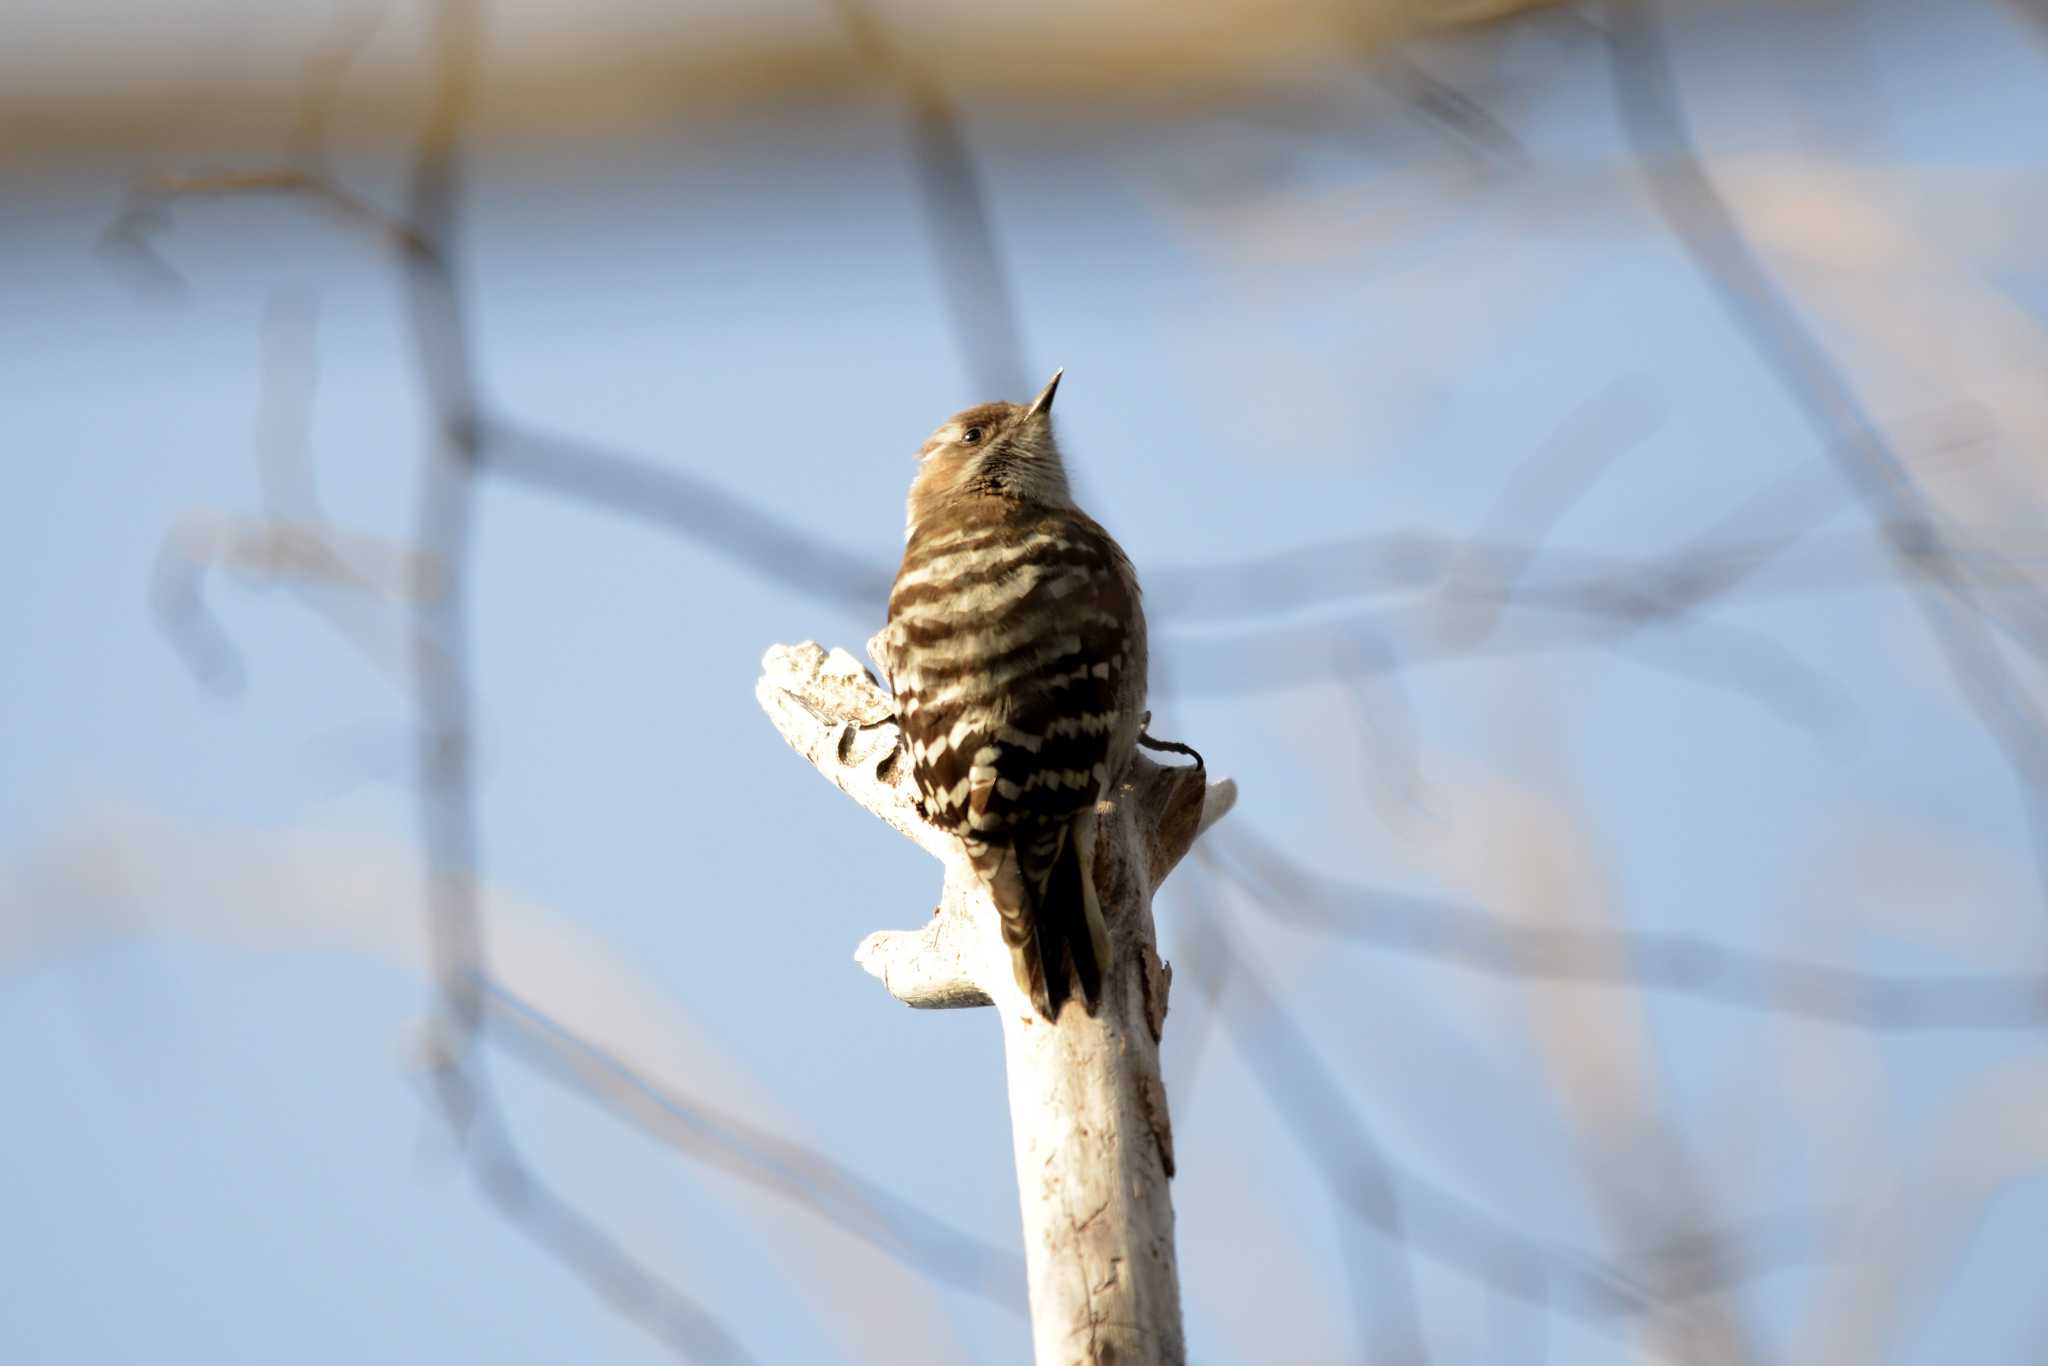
(1094, 1146)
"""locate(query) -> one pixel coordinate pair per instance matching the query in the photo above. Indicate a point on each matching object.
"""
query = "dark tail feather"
(1052, 958)
(1068, 900)
(1059, 917)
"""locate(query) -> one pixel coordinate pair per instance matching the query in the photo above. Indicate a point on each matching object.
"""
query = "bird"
(1015, 649)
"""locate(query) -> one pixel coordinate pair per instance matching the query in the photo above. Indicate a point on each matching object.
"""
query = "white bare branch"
(1094, 1145)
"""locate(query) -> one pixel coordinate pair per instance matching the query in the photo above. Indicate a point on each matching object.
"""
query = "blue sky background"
(209, 976)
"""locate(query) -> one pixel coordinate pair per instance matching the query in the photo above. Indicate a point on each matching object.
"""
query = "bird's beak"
(1043, 403)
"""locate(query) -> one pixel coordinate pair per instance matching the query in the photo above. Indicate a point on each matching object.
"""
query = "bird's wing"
(1011, 714)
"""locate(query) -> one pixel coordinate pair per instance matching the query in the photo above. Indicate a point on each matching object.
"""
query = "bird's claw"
(1170, 747)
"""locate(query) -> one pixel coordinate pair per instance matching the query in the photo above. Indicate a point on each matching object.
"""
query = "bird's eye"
(970, 437)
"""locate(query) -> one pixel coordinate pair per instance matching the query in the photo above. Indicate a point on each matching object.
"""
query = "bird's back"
(1016, 649)
(1012, 655)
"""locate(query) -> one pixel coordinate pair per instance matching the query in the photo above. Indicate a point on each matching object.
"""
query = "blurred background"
(1586, 466)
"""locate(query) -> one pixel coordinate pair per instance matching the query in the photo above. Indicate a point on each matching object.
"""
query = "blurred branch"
(308, 552)
(290, 544)
(922, 1241)
(675, 499)
(956, 207)
(1681, 964)
(305, 556)
(442, 526)
(1593, 437)
(447, 804)
(750, 534)
(1415, 1214)
(1992, 1136)
(284, 182)
(177, 598)
(1462, 590)
(1762, 531)
(1457, 121)
(2034, 13)
(1697, 216)
(355, 24)
(613, 1274)
(1461, 120)
(1736, 658)
(1362, 1185)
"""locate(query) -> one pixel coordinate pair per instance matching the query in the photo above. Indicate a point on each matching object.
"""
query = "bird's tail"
(1050, 914)
(1058, 875)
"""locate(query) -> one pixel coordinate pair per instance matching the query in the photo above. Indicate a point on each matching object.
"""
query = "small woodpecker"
(1016, 650)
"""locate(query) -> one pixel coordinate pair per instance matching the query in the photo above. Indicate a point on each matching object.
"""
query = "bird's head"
(1005, 450)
